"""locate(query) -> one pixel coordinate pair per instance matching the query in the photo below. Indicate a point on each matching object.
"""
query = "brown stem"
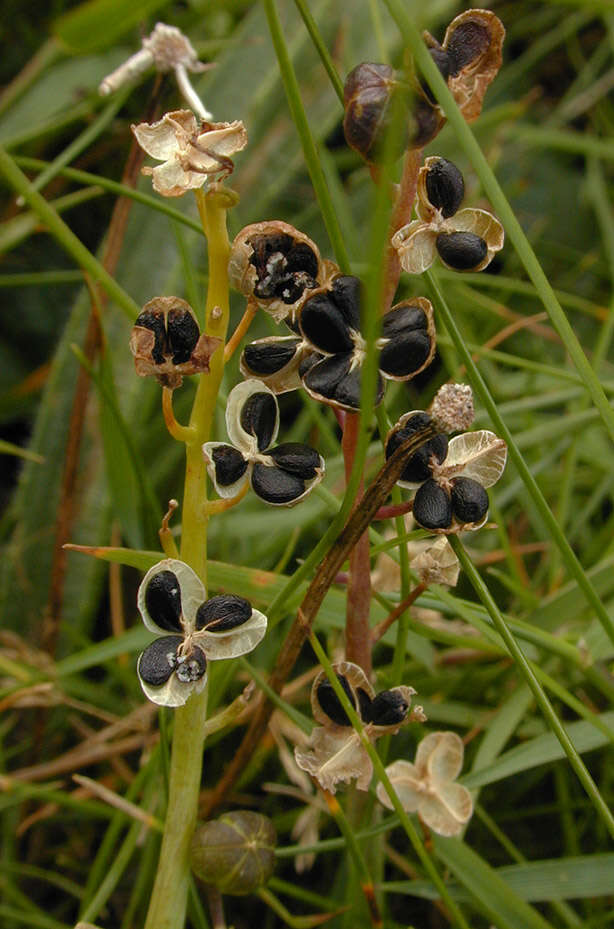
(324, 577)
(400, 216)
(358, 602)
(382, 628)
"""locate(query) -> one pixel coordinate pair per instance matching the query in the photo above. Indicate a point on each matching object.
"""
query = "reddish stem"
(358, 603)
(400, 216)
(382, 628)
(394, 509)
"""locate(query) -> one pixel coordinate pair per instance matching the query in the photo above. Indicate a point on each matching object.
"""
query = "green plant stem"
(168, 902)
(323, 52)
(540, 697)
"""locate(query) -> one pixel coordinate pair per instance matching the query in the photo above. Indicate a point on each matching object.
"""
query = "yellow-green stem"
(167, 907)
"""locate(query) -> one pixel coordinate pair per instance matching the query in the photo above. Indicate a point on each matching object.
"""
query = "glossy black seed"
(307, 362)
(159, 659)
(469, 500)
(418, 468)
(445, 187)
(404, 318)
(364, 704)
(223, 612)
(291, 287)
(347, 294)
(388, 708)
(432, 506)
(405, 354)
(229, 464)
(183, 334)
(322, 378)
(276, 486)
(461, 250)
(191, 667)
(324, 325)
(259, 416)
(302, 258)
(163, 601)
(297, 459)
(155, 322)
(330, 703)
(347, 391)
(266, 358)
(468, 41)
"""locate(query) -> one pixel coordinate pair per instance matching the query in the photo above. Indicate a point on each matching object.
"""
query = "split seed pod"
(167, 343)
(275, 361)
(235, 853)
(276, 265)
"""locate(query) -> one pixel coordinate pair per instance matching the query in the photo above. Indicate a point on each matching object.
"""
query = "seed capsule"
(469, 500)
(235, 853)
(432, 506)
(461, 251)
(445, 186)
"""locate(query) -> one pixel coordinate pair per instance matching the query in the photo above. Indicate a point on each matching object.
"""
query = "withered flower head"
(437, 564)
(335, 752)
(469, 57)
(166, 342)
(330, 322)
(466, 240)
(276, 265)
(280, 475)
(191, 630)
(374, 96)
(191, 151)
(428, 786)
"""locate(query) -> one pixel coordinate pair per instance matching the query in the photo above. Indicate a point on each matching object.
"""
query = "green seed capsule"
(235, 853)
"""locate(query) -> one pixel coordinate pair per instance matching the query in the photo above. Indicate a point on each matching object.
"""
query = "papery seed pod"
(461, 251)
(235, 853)
(469, 500)
(325, 704)
(276, 265)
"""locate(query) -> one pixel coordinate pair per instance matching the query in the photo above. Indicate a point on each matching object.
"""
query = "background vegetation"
(97, 467)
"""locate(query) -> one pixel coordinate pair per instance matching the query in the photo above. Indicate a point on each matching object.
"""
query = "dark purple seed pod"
(259, 417)
(425, 122)
(154, 321)
(369, 94)
(229, 463)
(461, 251)
(469, 500)
(163, 601)
(445, 187)
(432, 506)
(183, 334)
(330, 703)
(388, 708)
(224, 612)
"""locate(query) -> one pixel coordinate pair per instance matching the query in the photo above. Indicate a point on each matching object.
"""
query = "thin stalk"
(169, 897)
(318, 41)
(358, 602)
(542, 700)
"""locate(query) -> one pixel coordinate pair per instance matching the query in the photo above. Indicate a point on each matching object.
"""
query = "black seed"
(324, 325)
(302, 258)
(364, 704)
(291, 287)
(229, 465)
(307, 362)
(404, 318)
(223, 612)
(462, 251)
(388, 708)
(426, 123)
(263, 246)
(330, 703)
(418, 467)
(259, 416)
(297, 459)
(432, 506)
(445, 187)
(159, 659)
(183, 334)
(469, 500)
(163, 601)
(266, 358)
(155, 322)
(405, 354)
(276, 486)
(467, 42)
(322, 377)
(191, 667)
(347, 294)
(347, 391)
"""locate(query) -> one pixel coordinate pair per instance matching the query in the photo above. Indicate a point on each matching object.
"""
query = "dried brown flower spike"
(469, 57)
(166, 342)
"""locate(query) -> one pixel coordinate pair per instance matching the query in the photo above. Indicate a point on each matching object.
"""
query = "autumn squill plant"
(342, 626)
